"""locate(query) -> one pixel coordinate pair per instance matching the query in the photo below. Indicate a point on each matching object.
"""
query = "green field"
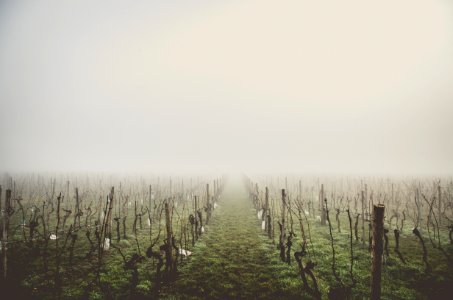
(233, 259)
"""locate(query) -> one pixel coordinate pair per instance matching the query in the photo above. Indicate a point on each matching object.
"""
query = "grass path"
(233, 258)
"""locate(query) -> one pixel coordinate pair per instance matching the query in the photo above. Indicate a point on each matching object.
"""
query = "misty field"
(252, 149)
(107, 237)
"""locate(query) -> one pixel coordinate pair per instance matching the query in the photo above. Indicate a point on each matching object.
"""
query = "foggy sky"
(287, 86)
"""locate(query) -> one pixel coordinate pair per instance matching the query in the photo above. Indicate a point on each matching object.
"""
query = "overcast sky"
(298, 86)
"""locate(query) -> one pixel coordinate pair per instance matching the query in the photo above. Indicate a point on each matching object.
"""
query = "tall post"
(363, 217)
(376, 267)
(283, 231)
(266, 210)
(5, 232)
(77, 210)
(169, 242)
(108, 229)
(195, 203)
(367, 206)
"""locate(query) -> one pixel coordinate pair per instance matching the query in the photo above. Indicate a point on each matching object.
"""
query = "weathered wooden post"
(77, 209)
(7, 213)
(267, 213)
(109, 219)
(363, 217)
(377, 250)
(367, 206)
(282, 227)
(169, 240)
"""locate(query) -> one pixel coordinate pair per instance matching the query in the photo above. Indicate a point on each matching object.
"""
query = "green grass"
(235, 259)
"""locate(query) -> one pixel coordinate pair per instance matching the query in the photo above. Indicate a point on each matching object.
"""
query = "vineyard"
(111, 237)
(203, 149)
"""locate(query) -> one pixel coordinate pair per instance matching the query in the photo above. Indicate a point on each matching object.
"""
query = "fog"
(254, 86)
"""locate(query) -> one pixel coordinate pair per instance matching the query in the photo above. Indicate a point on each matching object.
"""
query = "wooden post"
(77, 208)
(267, 213)
(283, 231)
(169, 241)
(377, 250)
(367, 207)
(196, 216)
(363, 218)
(108, 230)
(5, 232)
